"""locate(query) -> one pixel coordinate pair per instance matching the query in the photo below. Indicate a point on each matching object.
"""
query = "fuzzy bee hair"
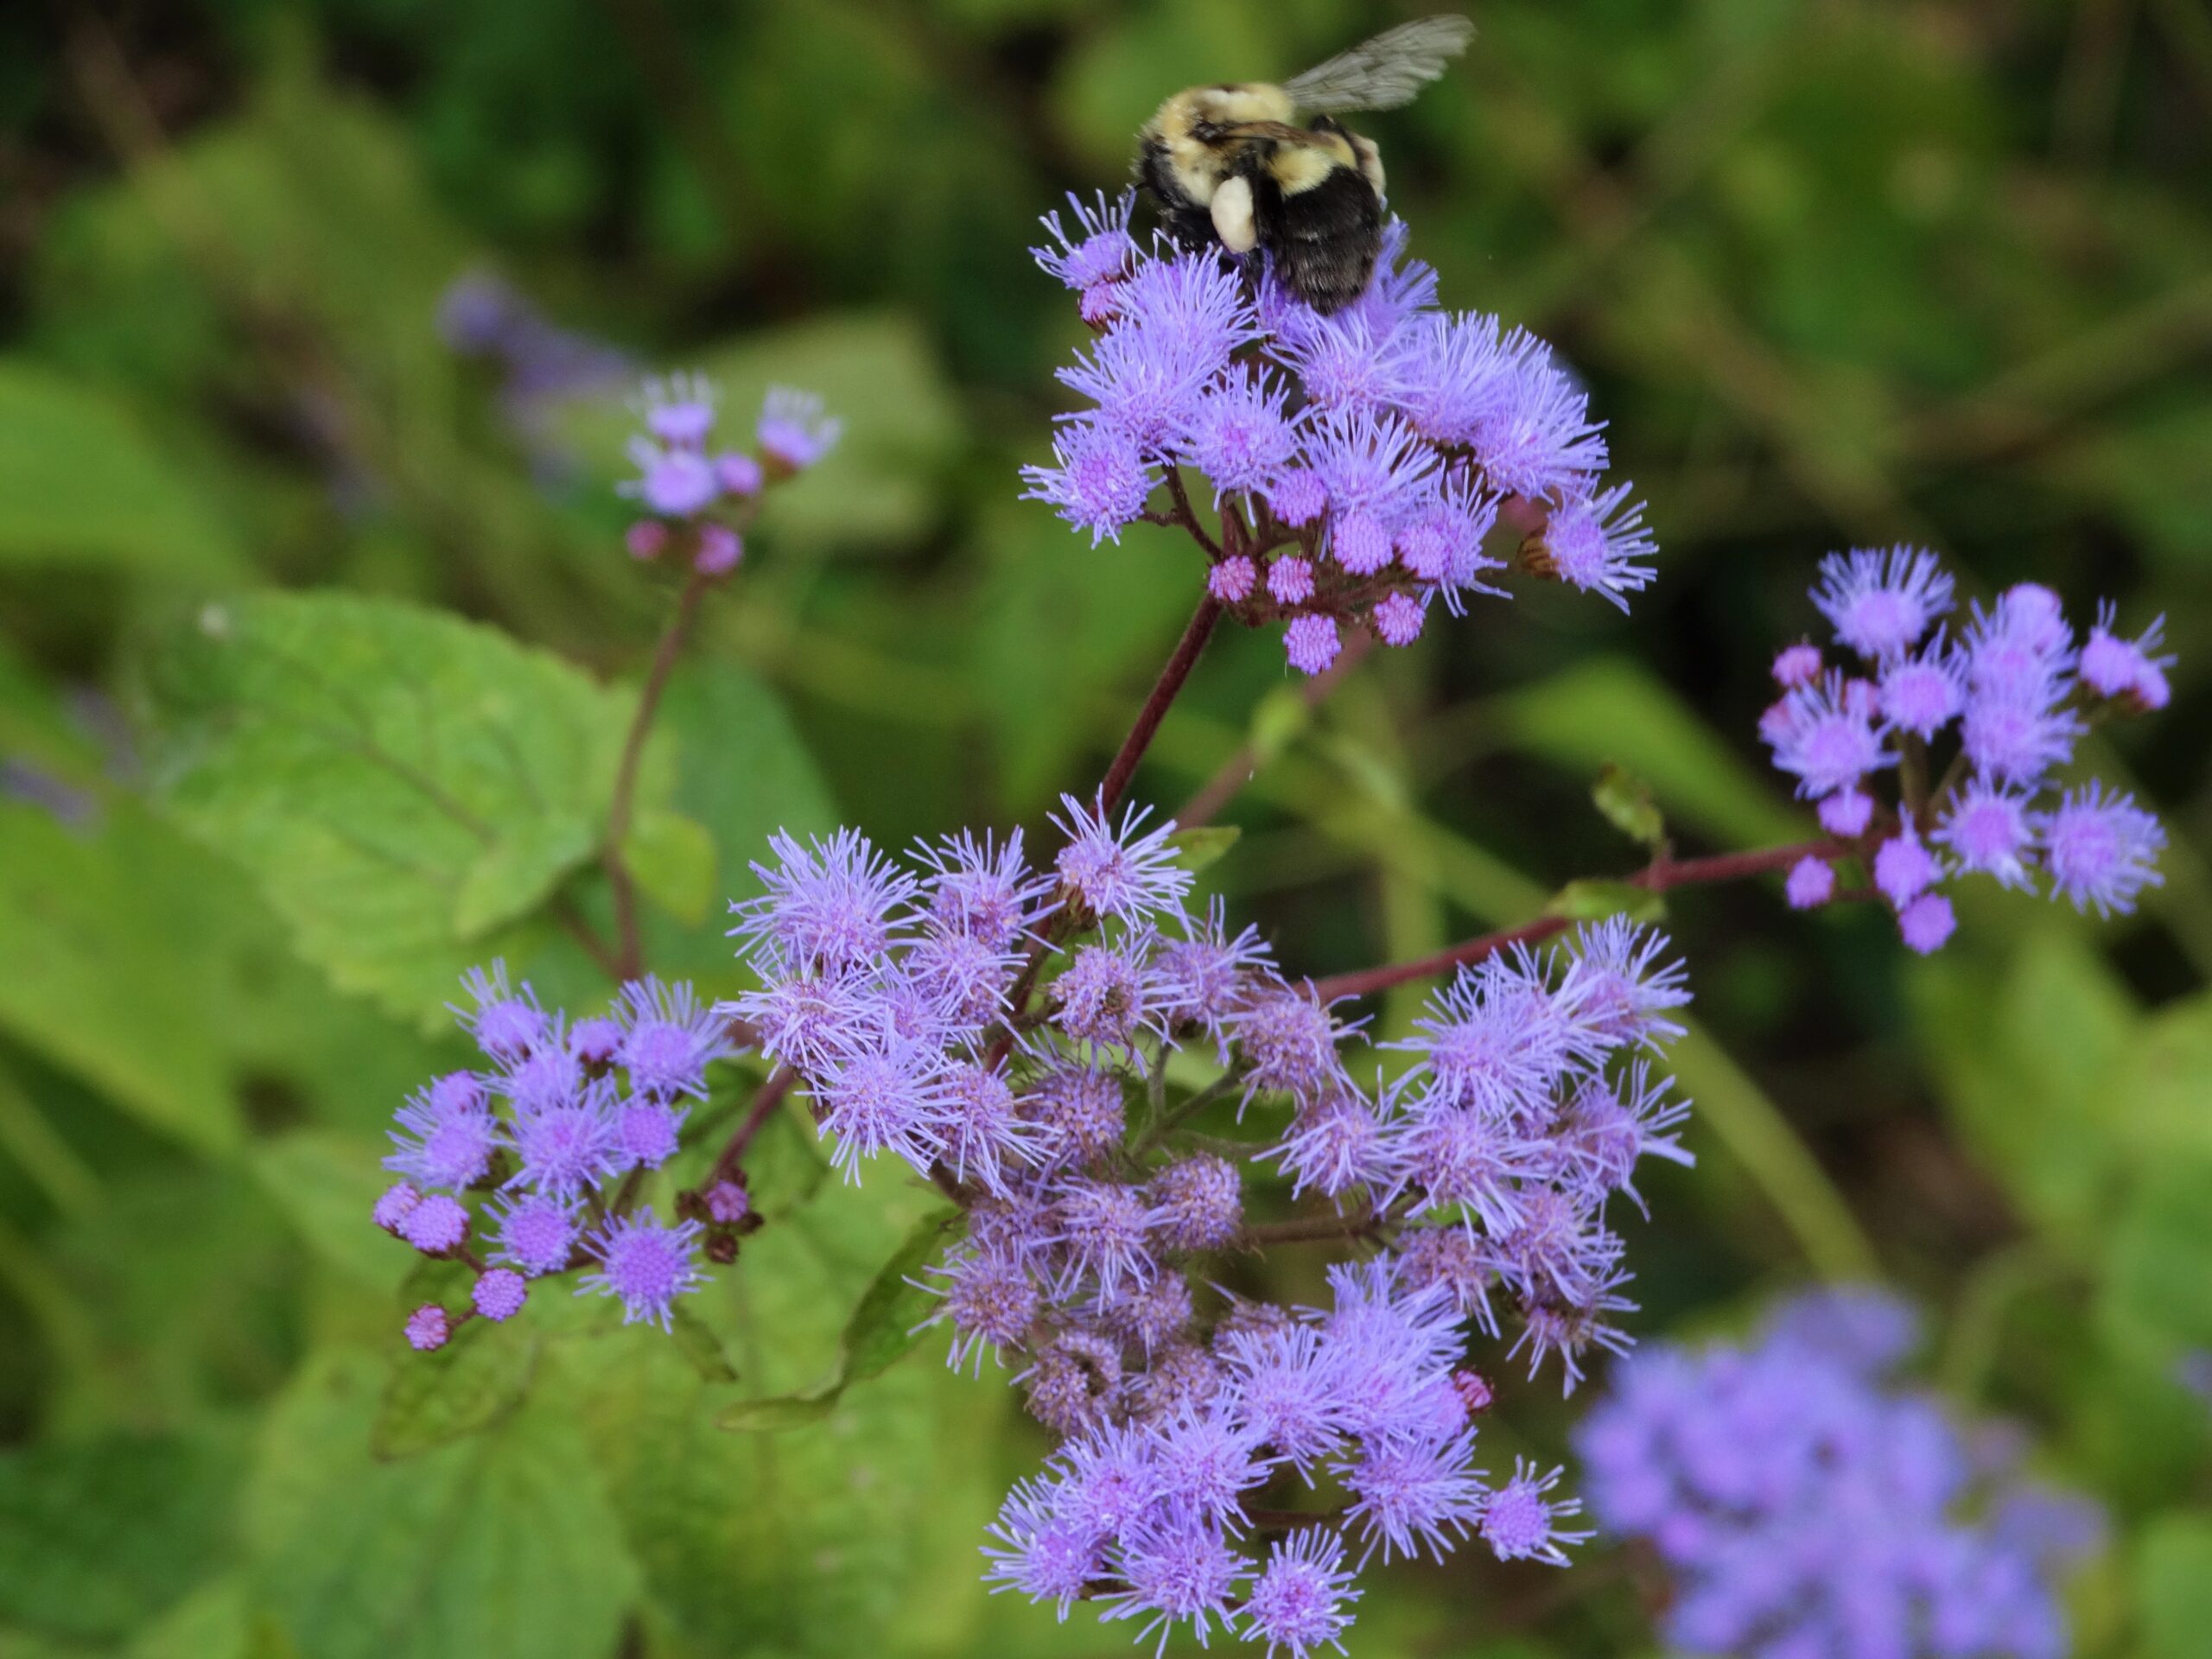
(1230, 163)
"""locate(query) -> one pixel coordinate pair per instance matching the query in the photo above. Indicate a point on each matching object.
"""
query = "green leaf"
(1626, 801)
(394, 777)
(2031, 1068)
(96, 1537)
(2173, 1585)
(82, 483)
(780, 1415)
(882, 1328)
(853, 1532)
(473, 1382)
(326, 1182)
(1196, 850)
(93, 980)
(671, 858)
(1278, 718)
(743, 773)
(699, 1346)
(1592, 899)
(518, 872)
(500, 1547)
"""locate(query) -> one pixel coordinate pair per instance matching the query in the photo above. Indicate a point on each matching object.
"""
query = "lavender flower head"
(562, 1116)
(1971, 724)
(1804, 1503)
(1357, 462)
(684, 480)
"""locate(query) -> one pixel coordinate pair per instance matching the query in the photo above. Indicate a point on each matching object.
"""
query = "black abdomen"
(1323, 239)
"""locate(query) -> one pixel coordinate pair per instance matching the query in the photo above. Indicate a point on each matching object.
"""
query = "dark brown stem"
(631, 956)
(772, 1092)
(1657, 877)
(1164, 690)
(1187, 516)
(1236, 772)
(573, 923)
(1257, 1235)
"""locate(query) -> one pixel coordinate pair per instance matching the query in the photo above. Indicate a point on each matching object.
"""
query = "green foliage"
(502, 1544)
(80, 484)
(1835, 276)
(407, 788)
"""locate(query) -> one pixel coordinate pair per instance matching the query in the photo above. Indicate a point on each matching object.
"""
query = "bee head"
(1197, 129)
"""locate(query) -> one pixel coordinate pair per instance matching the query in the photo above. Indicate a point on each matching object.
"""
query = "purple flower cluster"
(1359, 460)
(560, 1113)
(1809, 1508)
(1526, 1100)
(682, 476)
(2001, 704)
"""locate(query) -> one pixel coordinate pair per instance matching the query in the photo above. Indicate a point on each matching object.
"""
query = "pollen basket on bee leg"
(1232, 215)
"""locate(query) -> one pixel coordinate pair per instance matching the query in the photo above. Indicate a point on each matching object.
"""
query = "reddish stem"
(630, 958)
(1164, 690)
(1658, 876)
(777, 1086)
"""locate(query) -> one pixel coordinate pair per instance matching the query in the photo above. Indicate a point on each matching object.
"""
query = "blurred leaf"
(2173, 1587)
(373, 764)
(741, 773)
(465, 1387)
(216, 1621)
(79, 483)
(90, 983)
(2159, 1256)
(1613, 710)
(1278, 718)
(701, 1348)
(518, 872)
(671, 858)
(326, 1182)
(96, 1537)
(1203, 847)
(2029, 1070)
(1077, 621)
(500, 1548)
(1626, 801)
(1592, 900)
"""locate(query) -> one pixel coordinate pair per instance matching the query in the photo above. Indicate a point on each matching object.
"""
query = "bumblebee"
(1229, 163)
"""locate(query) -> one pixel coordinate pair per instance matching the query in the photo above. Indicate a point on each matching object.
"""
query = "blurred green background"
(1837, 274)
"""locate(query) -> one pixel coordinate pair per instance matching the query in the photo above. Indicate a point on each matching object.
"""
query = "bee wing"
(1385, 72)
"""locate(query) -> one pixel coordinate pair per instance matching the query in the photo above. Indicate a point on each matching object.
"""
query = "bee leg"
(1323, 239)
(1231, 212)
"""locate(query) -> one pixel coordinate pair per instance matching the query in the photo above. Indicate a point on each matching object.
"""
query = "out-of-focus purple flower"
(792, 431)
(1811, 883)
(428, 1328)
(2102, 849)
(435, 1226)
(1789, 1487)
(1829, 740)
(2115, 667)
